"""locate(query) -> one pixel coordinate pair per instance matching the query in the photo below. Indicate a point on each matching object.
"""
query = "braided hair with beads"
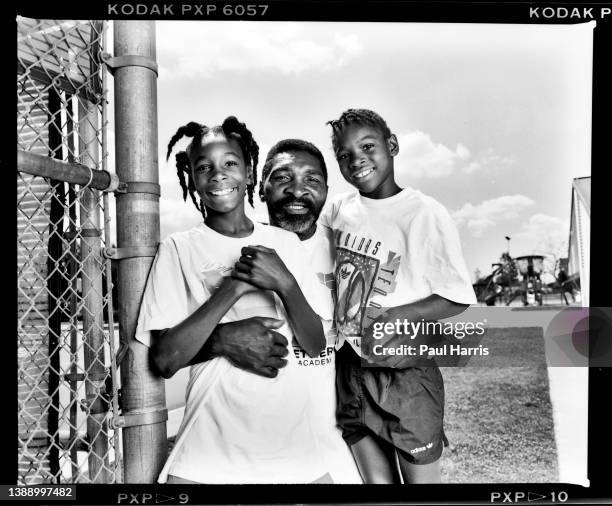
(232, 129)
(363, 116)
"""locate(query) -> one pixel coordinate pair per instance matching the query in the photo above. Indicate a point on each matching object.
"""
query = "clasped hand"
(263, 268)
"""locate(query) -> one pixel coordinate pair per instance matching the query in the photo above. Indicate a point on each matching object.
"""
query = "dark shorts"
(403, 407)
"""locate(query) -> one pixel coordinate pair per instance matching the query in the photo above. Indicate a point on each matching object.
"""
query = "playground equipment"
(566, 284)
(494, 287)
(530, 267)
(499, 287)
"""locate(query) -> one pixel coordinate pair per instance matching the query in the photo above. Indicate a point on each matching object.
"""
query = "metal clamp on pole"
(114, 183)
(133, 60)
(139, 187)
(135, 418)
(129, 252)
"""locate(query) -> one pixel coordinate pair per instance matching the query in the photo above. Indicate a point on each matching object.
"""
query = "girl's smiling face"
(365, 158)
(220, 172)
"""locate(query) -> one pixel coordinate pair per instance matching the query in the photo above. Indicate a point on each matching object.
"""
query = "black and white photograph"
(303, 252)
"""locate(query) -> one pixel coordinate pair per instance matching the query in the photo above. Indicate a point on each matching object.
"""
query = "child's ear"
(393, 145)
(249, 174)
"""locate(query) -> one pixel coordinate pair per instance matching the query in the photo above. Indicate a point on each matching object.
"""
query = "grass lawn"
(499, 418)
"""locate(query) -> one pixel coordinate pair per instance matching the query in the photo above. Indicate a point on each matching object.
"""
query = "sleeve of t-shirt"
(164, 303)
(442, 264)
(325, 216)
(330, 210)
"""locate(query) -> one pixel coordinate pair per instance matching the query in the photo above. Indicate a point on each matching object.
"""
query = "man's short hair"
(290, 146)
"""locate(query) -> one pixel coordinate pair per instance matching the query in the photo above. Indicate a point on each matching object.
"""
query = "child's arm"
(432, 308)
(262, 267)
(174, 348)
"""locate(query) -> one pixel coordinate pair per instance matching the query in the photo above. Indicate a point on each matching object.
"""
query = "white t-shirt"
(391, 252)
(317, 254)
(238, 427)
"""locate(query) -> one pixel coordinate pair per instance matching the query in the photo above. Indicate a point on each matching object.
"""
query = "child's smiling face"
(365, 158)
(219, 172)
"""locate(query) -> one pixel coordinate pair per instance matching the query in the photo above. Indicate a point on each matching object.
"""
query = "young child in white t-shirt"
(238, 427)
(398, 258)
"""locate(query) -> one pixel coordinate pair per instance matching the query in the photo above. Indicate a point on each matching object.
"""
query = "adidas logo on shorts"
(422, 448)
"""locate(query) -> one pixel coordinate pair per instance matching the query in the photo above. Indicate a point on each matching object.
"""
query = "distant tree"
(553, 249)
(509, 273)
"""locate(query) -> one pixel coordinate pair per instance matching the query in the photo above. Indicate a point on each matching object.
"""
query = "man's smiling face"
(295, 191)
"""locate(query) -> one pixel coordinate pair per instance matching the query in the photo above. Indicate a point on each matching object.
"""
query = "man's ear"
(393, 145)
(262, 195)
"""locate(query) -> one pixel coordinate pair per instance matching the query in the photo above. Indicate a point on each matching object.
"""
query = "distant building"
(578, 268)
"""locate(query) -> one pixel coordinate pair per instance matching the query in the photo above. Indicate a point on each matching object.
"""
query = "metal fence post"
(96, 404)
(144, 446)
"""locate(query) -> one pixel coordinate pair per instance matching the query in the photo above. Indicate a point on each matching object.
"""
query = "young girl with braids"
(238, 427)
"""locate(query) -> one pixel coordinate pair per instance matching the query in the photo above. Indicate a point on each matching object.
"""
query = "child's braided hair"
(232, 129)
(364, 116)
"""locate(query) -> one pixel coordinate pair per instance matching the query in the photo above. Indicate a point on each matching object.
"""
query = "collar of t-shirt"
(389, 201)
(257, 227)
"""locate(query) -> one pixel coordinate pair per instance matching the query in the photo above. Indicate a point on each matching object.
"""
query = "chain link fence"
(67, 374)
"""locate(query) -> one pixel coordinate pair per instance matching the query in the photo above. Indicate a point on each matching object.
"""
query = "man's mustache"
(292, 200)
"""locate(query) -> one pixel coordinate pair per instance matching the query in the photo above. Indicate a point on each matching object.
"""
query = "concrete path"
(568, 385)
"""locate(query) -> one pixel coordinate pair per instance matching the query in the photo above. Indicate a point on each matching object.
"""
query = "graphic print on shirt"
(212, 275)
(326, 357)
(360, 276)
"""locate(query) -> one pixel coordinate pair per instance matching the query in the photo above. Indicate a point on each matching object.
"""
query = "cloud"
(548, 234)
(481, 217)
(488, 160)
(201, 50)
(423, 157)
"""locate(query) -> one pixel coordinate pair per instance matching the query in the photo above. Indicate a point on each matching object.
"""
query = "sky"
(493, 121)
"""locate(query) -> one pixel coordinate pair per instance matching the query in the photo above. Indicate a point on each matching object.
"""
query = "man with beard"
(294, 187)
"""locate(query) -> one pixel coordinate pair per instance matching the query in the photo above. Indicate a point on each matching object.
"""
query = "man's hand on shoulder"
(252, 344)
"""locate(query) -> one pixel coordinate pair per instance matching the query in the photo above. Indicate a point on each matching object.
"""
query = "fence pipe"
(144, 446)
(91, 286)
(73, 173)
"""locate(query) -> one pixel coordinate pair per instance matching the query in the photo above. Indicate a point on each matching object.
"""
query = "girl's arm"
(263, 268)
(174, 348)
